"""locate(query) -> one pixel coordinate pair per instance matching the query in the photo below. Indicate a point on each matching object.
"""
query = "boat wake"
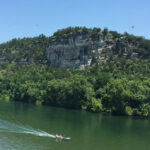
(6, 126)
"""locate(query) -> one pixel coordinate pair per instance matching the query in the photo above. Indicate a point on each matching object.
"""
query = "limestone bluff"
(83, 48)
(75, 47)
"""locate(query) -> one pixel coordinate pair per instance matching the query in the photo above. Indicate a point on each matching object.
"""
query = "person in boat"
(59, 137)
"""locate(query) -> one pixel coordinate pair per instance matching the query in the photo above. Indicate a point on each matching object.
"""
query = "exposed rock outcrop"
(82, 50)
(75, 47)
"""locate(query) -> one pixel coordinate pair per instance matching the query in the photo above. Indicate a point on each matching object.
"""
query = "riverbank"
(121, 87)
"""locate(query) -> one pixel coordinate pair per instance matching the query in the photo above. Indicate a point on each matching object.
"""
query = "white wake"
(6, 126)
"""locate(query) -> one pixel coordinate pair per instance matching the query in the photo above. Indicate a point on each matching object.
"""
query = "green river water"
(28, 127)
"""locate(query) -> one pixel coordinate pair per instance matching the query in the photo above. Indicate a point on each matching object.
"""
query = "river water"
(29, 127)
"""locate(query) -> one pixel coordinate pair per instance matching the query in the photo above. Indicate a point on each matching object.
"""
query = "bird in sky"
(132, 27)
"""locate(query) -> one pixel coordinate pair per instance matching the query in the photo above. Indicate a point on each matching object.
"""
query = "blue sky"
(29, 18)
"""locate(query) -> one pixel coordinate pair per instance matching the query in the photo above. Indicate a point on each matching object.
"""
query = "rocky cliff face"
(74, 47)
(82, 50)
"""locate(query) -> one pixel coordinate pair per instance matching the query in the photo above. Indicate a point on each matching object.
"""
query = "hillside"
(80, 47)
(75, 47)
(35, 70)
(24, 51)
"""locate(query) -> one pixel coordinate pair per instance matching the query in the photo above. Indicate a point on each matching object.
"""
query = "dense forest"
(121, 87)
(117, 87)
(24, 51)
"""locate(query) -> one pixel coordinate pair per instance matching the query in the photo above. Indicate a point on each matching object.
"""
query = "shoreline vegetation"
(120, 87)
